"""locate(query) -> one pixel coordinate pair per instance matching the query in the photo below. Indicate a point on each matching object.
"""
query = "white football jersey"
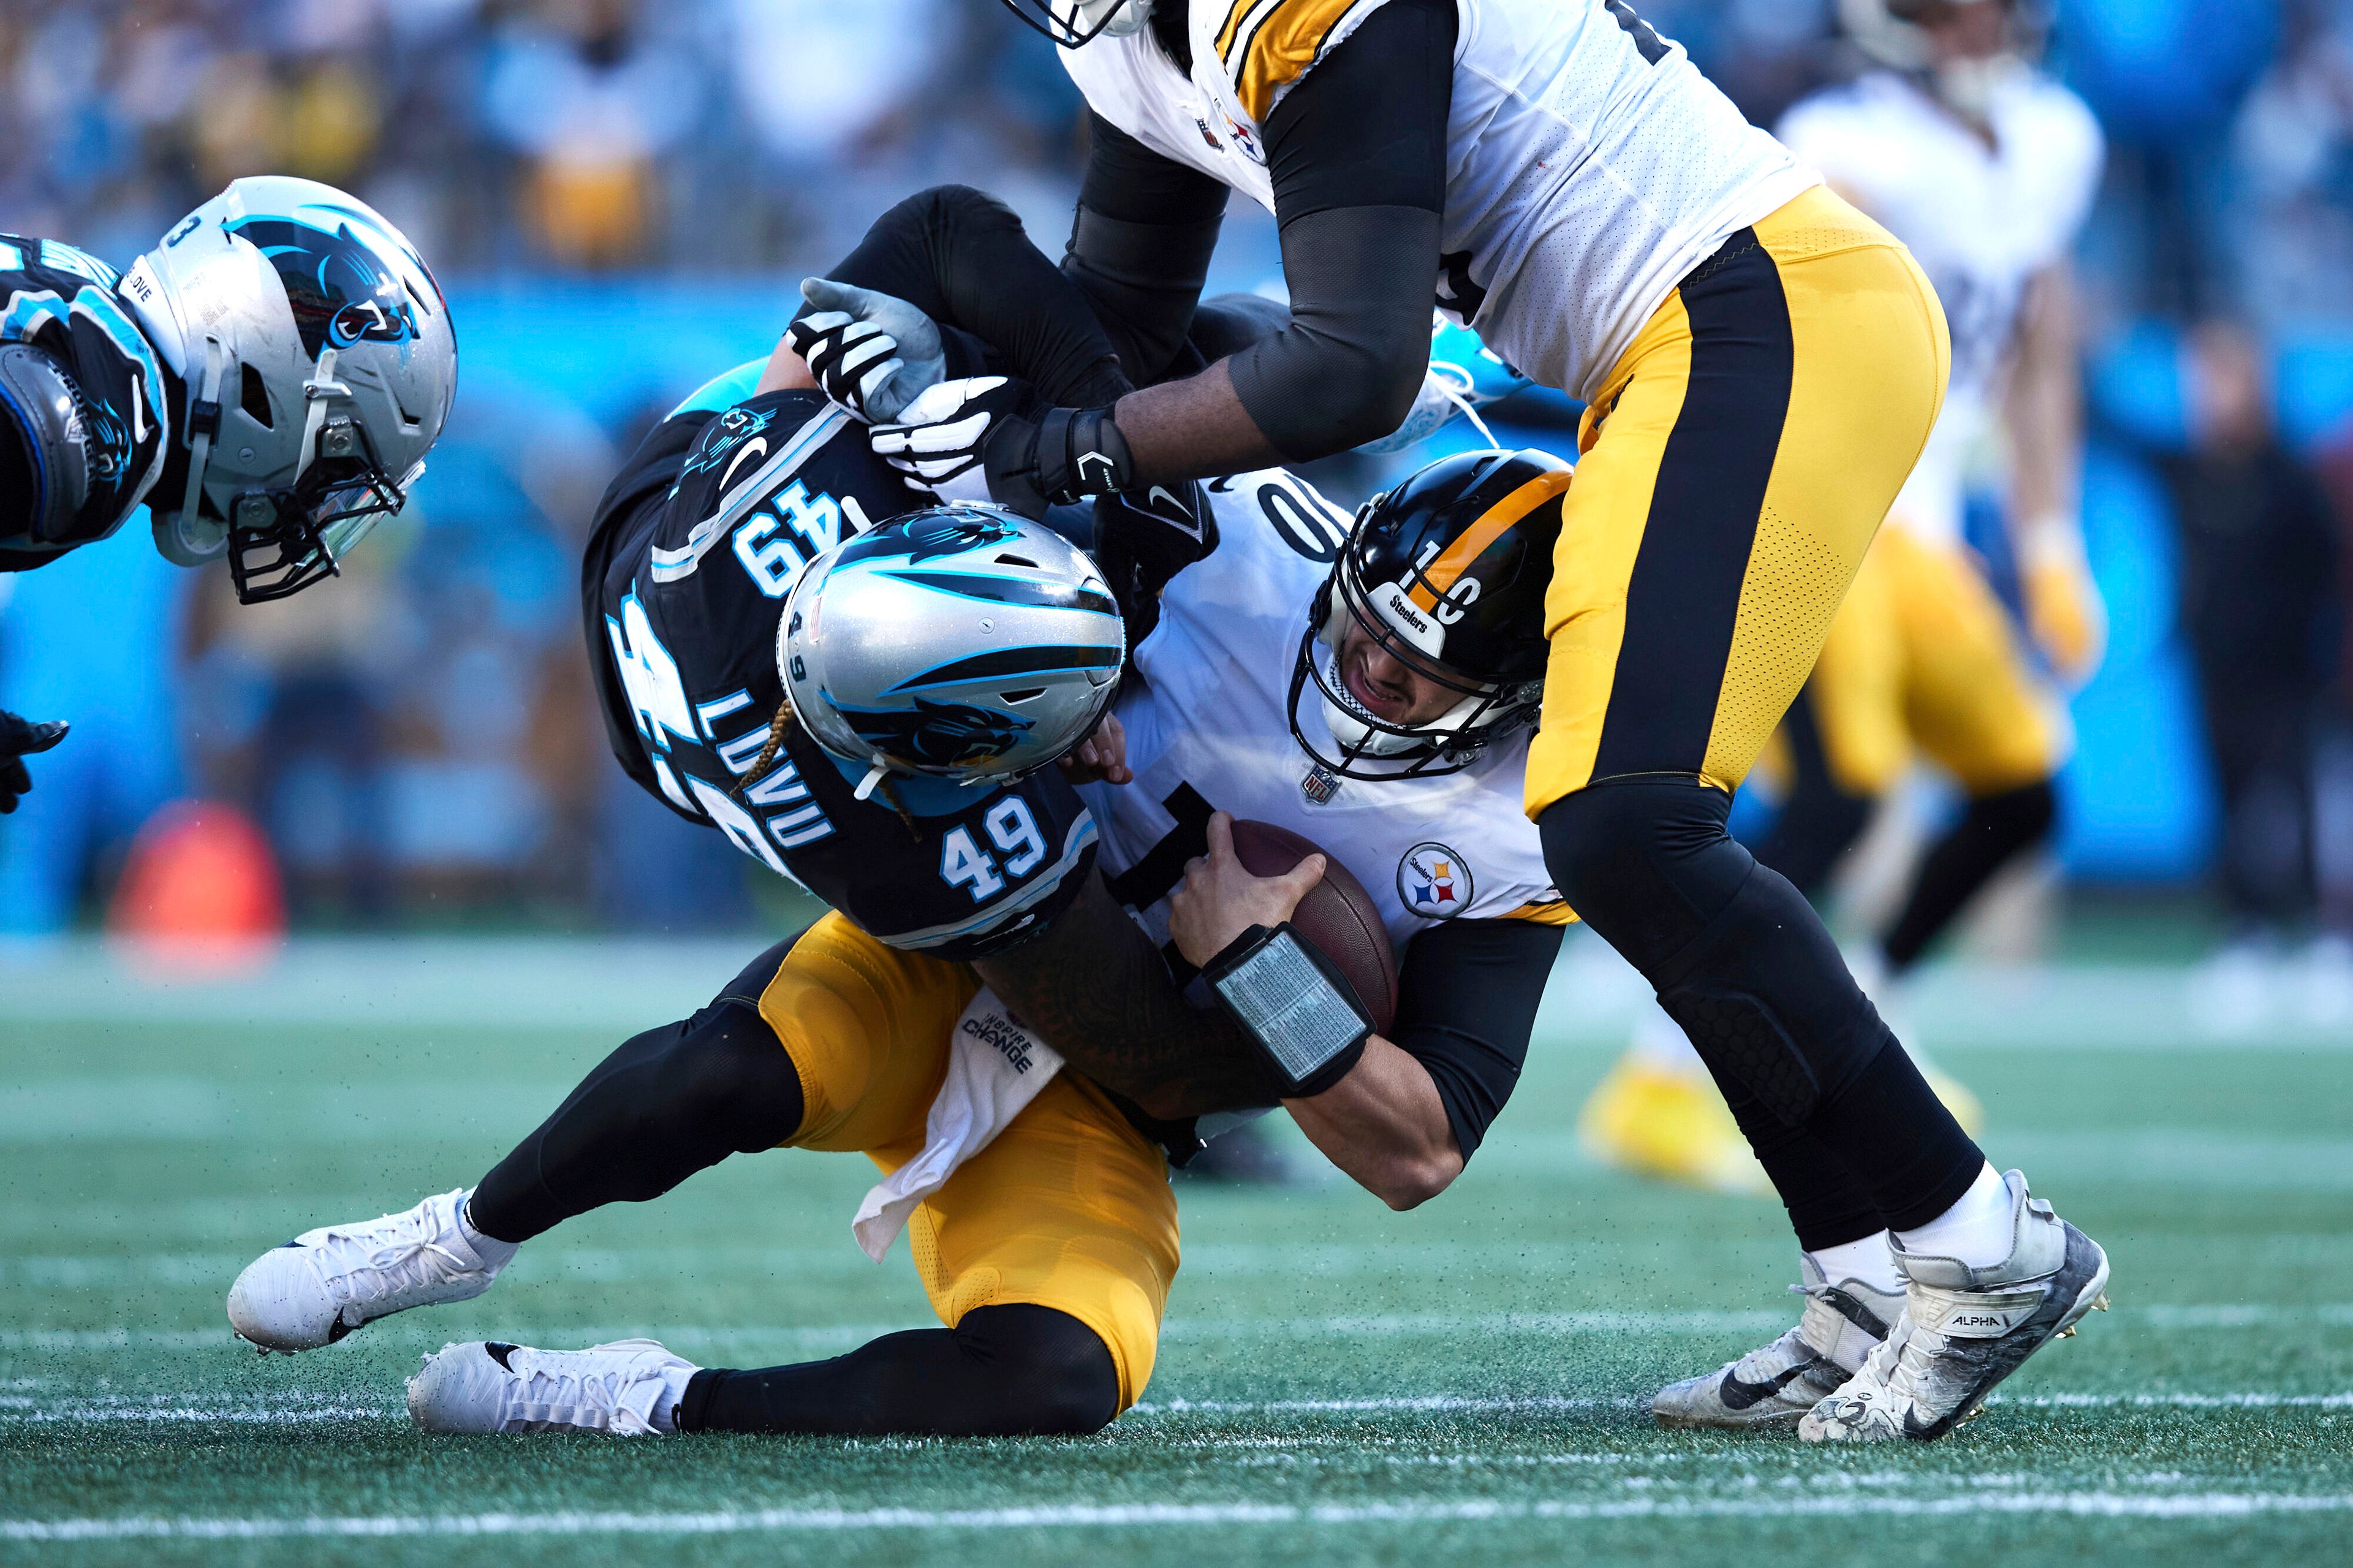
(1981, 220)
(1591, 166)
(1209, 730)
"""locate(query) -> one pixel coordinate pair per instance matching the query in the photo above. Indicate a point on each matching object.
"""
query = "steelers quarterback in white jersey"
(1987, 168)
(1369, 687)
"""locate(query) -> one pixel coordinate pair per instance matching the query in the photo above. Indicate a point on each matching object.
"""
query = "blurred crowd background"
(620, 197)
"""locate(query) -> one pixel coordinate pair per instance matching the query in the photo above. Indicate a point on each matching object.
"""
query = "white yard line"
(424, 1330)
(297, 1409)
(1083, 1516)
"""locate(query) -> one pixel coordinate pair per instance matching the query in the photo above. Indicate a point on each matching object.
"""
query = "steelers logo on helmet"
(1433, 881)
(1445, 576)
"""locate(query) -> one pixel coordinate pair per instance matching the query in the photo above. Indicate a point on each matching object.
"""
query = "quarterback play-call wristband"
(1294, 1003)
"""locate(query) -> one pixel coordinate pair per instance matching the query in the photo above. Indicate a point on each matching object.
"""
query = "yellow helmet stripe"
(1457, 557)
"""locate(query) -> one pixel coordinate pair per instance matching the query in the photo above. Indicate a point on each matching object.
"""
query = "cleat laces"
(405, 1252)
(546, 1394)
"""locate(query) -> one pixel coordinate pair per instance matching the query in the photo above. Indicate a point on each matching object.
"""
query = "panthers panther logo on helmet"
(947, 531)
(940, 734)
(343, 282)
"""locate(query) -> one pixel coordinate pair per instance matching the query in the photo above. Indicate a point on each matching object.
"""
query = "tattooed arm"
(1101, 993)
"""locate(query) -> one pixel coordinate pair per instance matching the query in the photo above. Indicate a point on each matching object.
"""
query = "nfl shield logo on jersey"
(1433, 881)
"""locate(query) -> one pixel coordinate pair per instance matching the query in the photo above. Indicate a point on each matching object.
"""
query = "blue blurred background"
(620, 197)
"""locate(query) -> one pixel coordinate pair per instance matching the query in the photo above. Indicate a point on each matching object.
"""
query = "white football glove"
(872, 354)
(940, 441)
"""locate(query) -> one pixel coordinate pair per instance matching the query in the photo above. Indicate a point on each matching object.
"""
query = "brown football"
(1337, 915)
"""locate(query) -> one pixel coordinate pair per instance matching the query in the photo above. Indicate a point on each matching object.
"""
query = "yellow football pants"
(1923, 656)
(1069, 1207)
(1735, 464)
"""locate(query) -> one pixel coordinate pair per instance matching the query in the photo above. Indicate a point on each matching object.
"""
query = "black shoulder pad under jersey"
(694, 548)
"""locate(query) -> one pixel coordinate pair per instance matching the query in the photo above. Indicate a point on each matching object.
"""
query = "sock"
(673, 1394)
(495, 1254)
(1976, 1230)
(1867, 1261)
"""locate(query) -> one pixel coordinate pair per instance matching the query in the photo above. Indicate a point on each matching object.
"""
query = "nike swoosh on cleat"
(1739, 1394)
(499, 1353)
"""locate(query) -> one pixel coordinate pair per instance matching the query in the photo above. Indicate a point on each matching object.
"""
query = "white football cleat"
(325, 1283)
(631, 1388)
(1964, 1329)
(1776, 1385)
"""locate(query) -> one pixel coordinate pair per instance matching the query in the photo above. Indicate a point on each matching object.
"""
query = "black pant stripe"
(1683, 598)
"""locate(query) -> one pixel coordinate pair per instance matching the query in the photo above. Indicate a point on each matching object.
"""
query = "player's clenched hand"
(2064, 607)
(19, 739)
(942, 439)
(1029, 454)
(873, 353)
(1102, 757)
(1220, 899)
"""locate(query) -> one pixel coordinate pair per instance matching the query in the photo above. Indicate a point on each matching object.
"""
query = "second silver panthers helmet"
(959, 642)
(319, 363)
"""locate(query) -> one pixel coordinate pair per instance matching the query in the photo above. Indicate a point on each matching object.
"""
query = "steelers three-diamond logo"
(1433, 881)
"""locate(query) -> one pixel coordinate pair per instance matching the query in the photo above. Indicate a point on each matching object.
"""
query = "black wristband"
(1296, 1006)
(1082, 453)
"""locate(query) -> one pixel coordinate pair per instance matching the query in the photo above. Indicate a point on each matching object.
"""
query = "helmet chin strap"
(181, 536)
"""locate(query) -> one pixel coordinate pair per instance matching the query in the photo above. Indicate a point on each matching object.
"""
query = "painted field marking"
(2082, 1504)
(298, 1408)
(839, 1336)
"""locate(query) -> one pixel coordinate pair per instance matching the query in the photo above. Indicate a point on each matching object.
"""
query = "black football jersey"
(694, 548)
(62, 301)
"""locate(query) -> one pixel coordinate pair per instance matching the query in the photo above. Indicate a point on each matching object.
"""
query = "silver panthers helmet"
(959, 642)
(319, 363)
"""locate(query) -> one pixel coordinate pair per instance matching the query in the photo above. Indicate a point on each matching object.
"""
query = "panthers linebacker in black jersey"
(266, 382)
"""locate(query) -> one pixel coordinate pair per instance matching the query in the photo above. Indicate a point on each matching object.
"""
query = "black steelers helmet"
(1447, 572)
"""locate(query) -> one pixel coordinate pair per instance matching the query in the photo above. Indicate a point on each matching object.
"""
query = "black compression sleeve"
(1012, 1370)
(962, 258)
(1357, 154)
(1466, 1000)
(1139, 245)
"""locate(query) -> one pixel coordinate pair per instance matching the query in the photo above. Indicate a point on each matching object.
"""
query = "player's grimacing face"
(1390, 689)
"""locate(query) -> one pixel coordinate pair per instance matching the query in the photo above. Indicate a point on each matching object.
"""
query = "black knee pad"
(1057, 1374)
(1644, 861)
(724, 1077)
(1739, 960)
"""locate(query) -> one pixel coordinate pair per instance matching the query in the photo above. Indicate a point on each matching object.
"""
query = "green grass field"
(1336, 1383)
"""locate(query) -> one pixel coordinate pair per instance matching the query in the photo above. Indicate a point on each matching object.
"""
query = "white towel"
(995, 1067)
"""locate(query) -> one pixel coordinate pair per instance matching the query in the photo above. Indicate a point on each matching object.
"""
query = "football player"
(1046, 1229)
(1761, 365)
(1986, 168)
(266, 382)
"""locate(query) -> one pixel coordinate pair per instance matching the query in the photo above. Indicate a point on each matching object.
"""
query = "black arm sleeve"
(1140, 246)
(1357, 154)
(962, 258)
(1466, 1005)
